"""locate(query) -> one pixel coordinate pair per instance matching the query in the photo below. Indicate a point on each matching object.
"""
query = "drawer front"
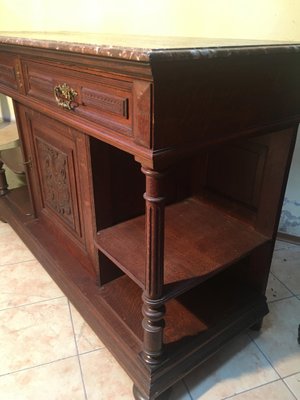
(99, 99)
(9, 71)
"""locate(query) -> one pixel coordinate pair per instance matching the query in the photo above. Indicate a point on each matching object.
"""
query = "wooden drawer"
(10, 76)
(96, 98)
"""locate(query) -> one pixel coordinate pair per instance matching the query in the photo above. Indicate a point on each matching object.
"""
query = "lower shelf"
(205, 308)
(193, 332)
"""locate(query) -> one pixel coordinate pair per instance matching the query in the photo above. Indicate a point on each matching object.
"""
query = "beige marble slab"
(59, 380)
(272, 391)
(12, 249)
(276, 290)
(35, 334)
(104, 378)
(278, 337)
(286, 267)
(238, 367)
(293, 383)
(85, 337)
(25, 283)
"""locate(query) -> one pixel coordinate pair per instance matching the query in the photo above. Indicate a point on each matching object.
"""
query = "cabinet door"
(61, 183)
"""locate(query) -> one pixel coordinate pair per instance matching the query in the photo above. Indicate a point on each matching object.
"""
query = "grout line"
(33, 303)
(249, 390)
(19, 262)
(287, 386)
(294, 294)
(265, 356)
(93, 351)
(36, 366)
(187, 388)
(281, 298)
(77, 351)
(293, 374)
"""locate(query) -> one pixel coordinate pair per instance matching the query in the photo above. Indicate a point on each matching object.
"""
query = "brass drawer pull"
(65, 96)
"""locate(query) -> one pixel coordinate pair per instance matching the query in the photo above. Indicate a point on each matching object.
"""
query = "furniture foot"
(3, 181)
(137, 394)
(257, 326)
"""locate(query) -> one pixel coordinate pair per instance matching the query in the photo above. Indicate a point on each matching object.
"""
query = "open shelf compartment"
(195, 315)
(200, 240)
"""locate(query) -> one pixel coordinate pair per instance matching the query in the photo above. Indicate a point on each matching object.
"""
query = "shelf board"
(200, 240)
(196, 314)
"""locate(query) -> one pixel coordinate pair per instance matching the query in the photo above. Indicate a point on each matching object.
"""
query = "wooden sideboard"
(156, 169)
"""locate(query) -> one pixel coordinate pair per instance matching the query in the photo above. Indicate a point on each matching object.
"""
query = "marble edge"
(109, 51)
(147, 54)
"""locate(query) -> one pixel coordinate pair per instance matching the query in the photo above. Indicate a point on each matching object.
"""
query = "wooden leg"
(137, 394)
(153, 308)
(3, 181)
(257, 326)
(153, 324)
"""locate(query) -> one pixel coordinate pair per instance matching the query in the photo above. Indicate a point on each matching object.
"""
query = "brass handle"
(65, 96)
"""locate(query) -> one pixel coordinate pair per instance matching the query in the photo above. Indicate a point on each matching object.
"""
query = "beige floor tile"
(276, 290)
(272, 391)
(238, 367)
(103, 377)
(86, 339)
(25, 283)
(4, 227)
(282, 245)
(35, 334)
(286, 267)
(179, 392)
(293, 383)
(12, 249)
(60, 380)
(278, 337)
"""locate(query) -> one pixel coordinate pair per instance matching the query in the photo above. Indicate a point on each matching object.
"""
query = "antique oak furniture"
(155, 170)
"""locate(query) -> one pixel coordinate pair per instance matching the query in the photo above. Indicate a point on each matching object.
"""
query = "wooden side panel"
(249, 177)
(236, 171)
(215, 99)
(142, 123)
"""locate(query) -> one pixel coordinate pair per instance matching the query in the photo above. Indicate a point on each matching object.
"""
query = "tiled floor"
(47, 351)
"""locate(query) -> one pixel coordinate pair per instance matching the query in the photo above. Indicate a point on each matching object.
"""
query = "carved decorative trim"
(55, 181)
(106, 102)
(7, 75)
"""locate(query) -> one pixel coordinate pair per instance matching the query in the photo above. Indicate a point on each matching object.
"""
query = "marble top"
(141, 48)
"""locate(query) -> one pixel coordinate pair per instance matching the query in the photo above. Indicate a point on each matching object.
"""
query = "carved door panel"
(61, 183)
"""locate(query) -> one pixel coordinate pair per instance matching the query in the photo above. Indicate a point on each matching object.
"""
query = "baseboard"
(286, 237)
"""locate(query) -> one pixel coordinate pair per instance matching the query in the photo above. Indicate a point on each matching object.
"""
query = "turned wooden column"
(3, 181)
(154, 308)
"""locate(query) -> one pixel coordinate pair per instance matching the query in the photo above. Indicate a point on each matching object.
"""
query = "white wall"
(266, 19)
(290, 215)
(256, 19)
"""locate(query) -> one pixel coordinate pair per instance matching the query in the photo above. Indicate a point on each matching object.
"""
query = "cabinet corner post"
(153, 305)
